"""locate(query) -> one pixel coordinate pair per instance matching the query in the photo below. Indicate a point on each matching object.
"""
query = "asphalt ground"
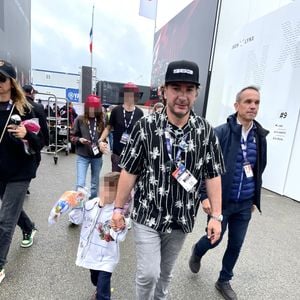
(268, 267)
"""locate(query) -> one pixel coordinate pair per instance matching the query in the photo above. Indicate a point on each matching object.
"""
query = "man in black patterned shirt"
(165, 159)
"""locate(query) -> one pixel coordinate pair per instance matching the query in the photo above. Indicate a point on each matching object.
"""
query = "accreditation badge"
(184, 177)
(95, 149)
(248, 170)
(124, 138)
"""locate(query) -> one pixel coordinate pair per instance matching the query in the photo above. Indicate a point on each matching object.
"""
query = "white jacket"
(94, 252)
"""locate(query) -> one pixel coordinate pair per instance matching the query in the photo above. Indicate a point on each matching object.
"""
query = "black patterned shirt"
(160, 202)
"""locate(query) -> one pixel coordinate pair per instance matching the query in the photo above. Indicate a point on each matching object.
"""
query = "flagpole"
(92, 37)
(155, 18)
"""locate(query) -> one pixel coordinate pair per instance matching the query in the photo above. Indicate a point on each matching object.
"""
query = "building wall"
(15, 36)
(234, 15)
(271, 62)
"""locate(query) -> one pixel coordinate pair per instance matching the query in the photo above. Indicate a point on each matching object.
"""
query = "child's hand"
(117, 221)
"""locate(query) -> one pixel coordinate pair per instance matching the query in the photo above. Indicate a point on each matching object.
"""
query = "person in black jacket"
(17, 167)
(244, 147)
(39, 112)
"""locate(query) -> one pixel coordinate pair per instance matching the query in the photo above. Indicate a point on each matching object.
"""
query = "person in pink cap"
(121, 122)
(85, 134)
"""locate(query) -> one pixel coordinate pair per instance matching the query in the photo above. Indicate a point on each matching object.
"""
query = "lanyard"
(130, 121)
(244, 149)
(182, 146)
(92, 133)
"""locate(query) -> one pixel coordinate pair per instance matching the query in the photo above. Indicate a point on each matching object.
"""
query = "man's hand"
(214, 230)
(117, 221)
(206, 206)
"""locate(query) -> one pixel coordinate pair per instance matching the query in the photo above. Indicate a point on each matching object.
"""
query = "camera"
(15, 120)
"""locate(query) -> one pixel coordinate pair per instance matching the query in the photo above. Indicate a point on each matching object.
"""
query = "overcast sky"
(123, 40)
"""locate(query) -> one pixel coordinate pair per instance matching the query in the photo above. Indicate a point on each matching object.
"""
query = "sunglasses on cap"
(3, 78)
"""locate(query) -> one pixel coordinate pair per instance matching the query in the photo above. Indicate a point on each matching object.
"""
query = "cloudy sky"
(123, 40)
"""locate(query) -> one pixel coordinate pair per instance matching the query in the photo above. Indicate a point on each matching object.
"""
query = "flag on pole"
(91, 40)
(148, 9)
(91, 33)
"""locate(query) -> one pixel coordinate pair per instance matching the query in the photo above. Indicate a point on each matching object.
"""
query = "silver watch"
(218, 218)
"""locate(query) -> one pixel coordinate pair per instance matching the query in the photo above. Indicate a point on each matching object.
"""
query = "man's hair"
(111, 178)
(249, 87)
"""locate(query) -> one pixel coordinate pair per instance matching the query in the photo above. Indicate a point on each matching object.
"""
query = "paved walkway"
(268, 268)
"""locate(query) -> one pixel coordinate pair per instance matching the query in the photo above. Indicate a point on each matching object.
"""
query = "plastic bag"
(67, 201)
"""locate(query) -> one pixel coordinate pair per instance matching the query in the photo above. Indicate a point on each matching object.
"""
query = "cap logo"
(186, 71)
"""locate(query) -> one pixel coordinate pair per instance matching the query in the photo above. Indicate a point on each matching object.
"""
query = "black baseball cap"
(7, 69)
(28, 88)
(182, 71)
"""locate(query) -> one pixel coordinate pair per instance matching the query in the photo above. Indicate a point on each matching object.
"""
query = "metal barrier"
(59, 128)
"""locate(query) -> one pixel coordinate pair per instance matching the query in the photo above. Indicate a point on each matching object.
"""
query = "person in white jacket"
(98, 248)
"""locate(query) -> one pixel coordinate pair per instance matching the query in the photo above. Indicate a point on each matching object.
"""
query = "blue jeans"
(12, 195)
(156, 254)
(101, 280)
(82, 167)
(236, 216)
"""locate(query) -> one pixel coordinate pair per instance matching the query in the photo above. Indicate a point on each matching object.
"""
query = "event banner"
(266, 53)
(189, 35)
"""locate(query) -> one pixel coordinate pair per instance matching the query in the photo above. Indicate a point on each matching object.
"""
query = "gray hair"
(249, 87)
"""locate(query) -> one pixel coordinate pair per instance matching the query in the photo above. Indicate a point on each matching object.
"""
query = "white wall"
(292, 180)
(280, 88)
(234, 15)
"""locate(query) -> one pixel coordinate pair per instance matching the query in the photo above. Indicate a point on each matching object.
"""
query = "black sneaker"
(195, 261)
(226, 290)
(28, 238)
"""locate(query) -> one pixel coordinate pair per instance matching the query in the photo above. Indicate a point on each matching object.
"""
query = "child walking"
(98, 248)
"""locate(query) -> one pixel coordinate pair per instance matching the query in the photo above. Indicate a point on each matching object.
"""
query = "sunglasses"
(3, 78)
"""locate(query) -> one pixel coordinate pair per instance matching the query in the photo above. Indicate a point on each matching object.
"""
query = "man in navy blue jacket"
(244, 147)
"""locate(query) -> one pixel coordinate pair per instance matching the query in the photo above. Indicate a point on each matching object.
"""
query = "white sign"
(266, 53)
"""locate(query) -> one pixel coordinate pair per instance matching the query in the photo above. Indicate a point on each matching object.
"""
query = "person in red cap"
(122, 119)
(85, 134)
(121, 122)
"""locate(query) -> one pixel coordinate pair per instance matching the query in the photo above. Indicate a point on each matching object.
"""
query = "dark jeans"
(236, 216)
(101, 280)
(25, 223)
(115, 159)
(12, 195)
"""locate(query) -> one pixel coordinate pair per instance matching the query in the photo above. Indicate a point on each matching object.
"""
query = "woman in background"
(17, 166)
(85, 134)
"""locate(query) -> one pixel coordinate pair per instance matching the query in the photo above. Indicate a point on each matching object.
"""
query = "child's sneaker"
(28, 238)
(2, 275)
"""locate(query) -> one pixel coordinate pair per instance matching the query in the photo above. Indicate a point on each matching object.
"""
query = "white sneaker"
(2, 275)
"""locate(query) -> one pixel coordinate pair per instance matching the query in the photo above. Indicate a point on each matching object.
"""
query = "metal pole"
(92, 37)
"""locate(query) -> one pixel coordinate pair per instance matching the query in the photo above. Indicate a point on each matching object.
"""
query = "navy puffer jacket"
(229, 135)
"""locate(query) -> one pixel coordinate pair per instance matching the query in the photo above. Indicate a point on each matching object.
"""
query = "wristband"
(119, 209)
